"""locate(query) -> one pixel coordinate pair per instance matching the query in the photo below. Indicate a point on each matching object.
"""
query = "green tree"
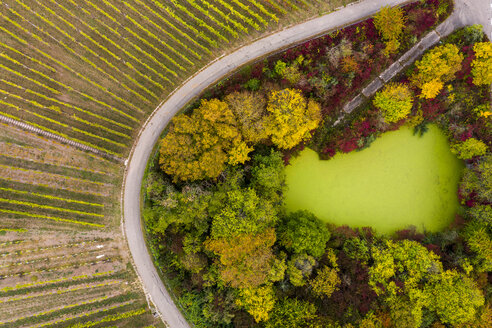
(482, 64)
(454, 297)
(406, 309)
(239, 211)
(292, 313)
(436, 67)
(299, 268)
(469, 148)
(395, 102)
(478, 236)
(303, 232)
(478, 179)
(326, 281)
(406, 260)
(268, 176)
(186, 209)
(291, 117)
(390, 23)
(199, 146)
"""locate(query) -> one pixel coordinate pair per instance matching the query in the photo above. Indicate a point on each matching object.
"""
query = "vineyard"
(91, 72)
(61, 263)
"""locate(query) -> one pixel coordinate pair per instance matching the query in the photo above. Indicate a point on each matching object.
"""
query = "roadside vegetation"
(235, 257)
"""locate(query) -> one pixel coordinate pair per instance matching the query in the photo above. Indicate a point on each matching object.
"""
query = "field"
(62, 259)
(92, 71)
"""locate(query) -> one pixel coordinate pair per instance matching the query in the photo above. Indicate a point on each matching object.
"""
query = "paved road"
(470, 11)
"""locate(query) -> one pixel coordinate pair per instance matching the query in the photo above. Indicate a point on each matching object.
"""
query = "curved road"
(469, 11)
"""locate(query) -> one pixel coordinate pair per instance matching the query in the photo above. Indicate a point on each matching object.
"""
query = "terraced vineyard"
(61, 256)
(92, 71)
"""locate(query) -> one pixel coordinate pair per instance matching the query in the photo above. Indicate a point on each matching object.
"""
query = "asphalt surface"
(468, 11)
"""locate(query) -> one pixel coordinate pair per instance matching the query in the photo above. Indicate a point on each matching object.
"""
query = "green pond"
(400, 180)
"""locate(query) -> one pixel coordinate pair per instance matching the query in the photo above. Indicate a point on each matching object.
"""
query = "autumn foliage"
(438, 66)
(395, 102)
(390, 23)
(291, 117)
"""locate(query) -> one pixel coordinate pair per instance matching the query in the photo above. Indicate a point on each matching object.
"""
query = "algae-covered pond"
(400, 180)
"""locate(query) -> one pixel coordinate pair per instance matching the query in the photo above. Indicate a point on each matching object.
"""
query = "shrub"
(482, 65)
(253, 84)
(469, 148)
(395, 102)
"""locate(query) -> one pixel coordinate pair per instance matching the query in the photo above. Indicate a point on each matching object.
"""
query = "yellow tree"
(291, 117)
(198, 146)
(395, 102)
(250, 110)
(482, 64)
(245, 260)
(257, 301)
(438, 66)
(390, 23)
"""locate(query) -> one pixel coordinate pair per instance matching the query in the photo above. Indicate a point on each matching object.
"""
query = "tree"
(300, 267)
(406, 260)
(292, 313)
(371, 321)
(454, 297)
(291, 117)
(250, 111)
(482, 64)
(185, 209)
(257, 301)
(239, 211)
(390, 23)
(303, 232)
(478, 180)
(438, 66)
(245, 260)
(469, 148)
(395, 102)
(199, 145)
(478, 235)
(326, 281)
(268, 176)
(406, 309)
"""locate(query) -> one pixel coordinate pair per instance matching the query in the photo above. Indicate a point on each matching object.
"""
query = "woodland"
(216, 223)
